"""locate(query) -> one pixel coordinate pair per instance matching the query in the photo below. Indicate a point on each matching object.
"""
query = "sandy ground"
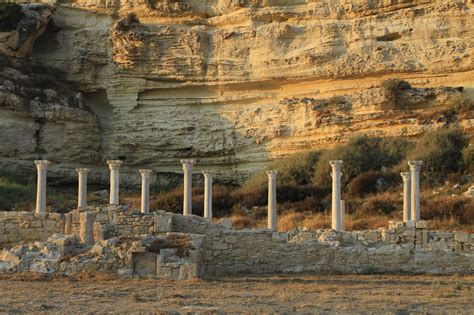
(302, 293)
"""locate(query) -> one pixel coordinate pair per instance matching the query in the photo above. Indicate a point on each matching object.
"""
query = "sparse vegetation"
(393, 88)
(125, 24)
(10, 15)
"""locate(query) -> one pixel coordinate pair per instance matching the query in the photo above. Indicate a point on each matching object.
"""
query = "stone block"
(371, 236)
(163, 272)
(231, 239)
(144, 264)
(461, 236)
(163, 223)
(226, 223)
(35, 224)
(220, 246)
(195, 256)
(422, 225)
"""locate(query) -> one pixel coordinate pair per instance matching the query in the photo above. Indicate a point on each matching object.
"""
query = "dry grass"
(393, 294)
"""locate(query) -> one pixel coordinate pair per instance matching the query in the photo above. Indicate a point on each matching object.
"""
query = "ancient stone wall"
(169, 245)
(18, 227)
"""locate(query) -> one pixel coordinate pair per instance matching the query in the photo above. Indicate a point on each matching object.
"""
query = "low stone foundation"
(118, 241)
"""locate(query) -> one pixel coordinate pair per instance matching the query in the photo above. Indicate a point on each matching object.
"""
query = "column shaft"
(187, 188)
(406, 176)
(82, 188)
(145, 204)
(207, 195)
(272, 203)
(114, 166)
(42, 167)
(343, 215)
(336, 196)
(415, 189)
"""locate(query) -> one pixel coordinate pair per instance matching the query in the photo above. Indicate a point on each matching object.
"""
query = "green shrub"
(359, 155)
(468, 159)
(458, 208)
(441, 152)
(13, 193)
(372, 182)
(10, 16)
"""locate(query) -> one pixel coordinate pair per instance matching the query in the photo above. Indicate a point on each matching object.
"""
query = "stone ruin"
(115, 240)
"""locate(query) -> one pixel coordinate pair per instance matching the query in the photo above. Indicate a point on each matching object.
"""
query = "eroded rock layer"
(237, 83)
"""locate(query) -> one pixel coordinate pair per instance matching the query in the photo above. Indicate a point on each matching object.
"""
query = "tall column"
(415, 189)
(336, 195)
(41, 167)
(114, 166)
(343, 215)
(272, 202)
(145, 190)
(207, 194)
(82, 188)
(406, 176)
(187, 189)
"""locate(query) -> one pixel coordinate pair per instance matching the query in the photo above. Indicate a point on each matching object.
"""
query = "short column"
(415, 190)
(336, 222)
(86, 231)
(406, 176)
(82, 188)
(114, 166)
(272, 203)
(187, 188)
(146, 173)
(343, 215)
(207, 194)
(42, 168)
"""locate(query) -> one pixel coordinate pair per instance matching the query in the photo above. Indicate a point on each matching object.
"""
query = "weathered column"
(68, 224)
(343, 215)
(406, 176)
(42, 168)
(114, 166)
(336, 195)
(415, 190)
(145, 190)
(272, 202)
(82, 188)
(86, 231)
(207, 194)
(187, 189)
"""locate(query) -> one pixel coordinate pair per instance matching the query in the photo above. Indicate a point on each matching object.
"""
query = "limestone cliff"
(235, 83)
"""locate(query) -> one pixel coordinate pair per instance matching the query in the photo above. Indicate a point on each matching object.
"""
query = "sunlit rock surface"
(237, 83)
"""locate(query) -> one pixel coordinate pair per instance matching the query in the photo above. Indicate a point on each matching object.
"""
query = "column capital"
(336, 164)
(42, 164)
(405, 175)
(415, 165)
(145, 172)
(82, 171)
(208, 173)
(187, 164)
(272, 174)
(114, 164)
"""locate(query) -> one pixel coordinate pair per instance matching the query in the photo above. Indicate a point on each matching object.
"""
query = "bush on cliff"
(10, 15)
(14, 191)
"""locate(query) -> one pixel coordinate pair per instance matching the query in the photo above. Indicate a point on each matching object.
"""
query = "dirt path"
(305, 293)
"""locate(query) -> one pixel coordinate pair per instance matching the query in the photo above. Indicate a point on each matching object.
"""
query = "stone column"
(207, 194)
(343, 215)
(82, 189)
(68, 224)
(187, 189)
(42, 168)
(145, 190)
(114, 166)
(415, 190)
(406, 176)
(272, 202)
(336, 221)
(86, 231)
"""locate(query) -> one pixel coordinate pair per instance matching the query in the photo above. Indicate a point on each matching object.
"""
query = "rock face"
(237, 83)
